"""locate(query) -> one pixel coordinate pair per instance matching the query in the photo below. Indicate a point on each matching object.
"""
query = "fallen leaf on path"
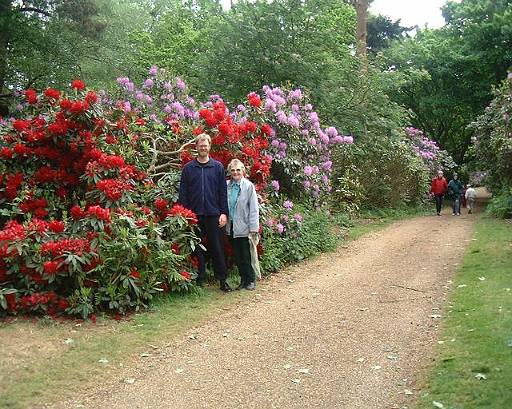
(192, 336)
(69, 341)
(392, 357)
(360, 359)
(435, 316)
(462, 285)
(438, 404)
(179, 370)
(129, 381)
(103, 361)
(480, 376)
(287, 366)
(407, 392)
(481, 278)
(144, 355)
(304, 370)
(296, 380)
(376, 367)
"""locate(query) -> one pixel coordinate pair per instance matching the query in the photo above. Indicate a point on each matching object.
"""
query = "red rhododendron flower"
(50, 267)
(20, 125)
(31, 96)
(161, 204)
(66, 104)
(254, 99)
(179, 210)
(266, 129)
(91, 97)
(134, 273)
(185, 275)
(52, 93)
(78, 84)
(6, 153)
(77, 213)
(56, 226)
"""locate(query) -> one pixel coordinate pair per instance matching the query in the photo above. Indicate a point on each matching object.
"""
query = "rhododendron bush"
(88, 184)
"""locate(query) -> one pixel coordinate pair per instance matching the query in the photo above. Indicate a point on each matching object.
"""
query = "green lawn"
(474, 364)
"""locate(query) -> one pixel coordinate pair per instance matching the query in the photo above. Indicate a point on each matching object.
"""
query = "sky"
(411, 12)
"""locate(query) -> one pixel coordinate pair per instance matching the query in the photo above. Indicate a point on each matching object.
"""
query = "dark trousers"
(439, 202)
(209, 228)
(242, 253)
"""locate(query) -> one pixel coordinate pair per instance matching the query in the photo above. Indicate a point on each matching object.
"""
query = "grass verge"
(474, 364)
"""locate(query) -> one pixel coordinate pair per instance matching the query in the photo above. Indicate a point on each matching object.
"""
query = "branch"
(34, 10)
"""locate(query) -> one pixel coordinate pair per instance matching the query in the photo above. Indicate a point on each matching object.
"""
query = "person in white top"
(470, 198)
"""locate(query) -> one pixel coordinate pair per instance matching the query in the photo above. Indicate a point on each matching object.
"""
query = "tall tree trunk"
(362, 21)
(5, 17)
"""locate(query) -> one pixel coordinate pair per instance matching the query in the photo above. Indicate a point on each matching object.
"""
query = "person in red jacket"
(438, 188)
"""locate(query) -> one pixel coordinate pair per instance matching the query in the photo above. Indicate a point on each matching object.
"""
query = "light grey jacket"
(247, 214)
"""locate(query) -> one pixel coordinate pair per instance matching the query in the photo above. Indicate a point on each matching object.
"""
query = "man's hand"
(222, 220)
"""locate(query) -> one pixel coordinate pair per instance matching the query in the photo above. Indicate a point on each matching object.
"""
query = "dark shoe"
(242, 285)
(225, 287)
(250, 287)
(439, 214)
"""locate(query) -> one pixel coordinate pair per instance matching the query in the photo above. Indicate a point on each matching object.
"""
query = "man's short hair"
(204, 137)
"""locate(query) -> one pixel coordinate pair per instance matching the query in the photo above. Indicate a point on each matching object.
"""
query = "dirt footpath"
(351, 329)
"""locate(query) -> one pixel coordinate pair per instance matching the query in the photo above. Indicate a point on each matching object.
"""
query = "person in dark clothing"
(203, 190)
(455, 188)
(438, 188)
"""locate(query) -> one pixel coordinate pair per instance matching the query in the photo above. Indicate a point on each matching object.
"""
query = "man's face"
(203, 148)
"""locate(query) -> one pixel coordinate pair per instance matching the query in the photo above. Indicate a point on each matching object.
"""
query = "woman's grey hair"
(236, 162)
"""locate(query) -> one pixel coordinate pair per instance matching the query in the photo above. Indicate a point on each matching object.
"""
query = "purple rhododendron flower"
(298, 217)
(275, 185)
(148, 99)
(167, 109)
(307, 184)
(275, 143)
(149, 83)
(139, 95)
(313, 116)
(337, 139)
(270, 105)
(348, 139)
(308, 170)
(288, 205)
(280, 228)
(293, 121)
(327, 165)
(332, 132)
(180, 84)
(153, 70)
(281, 117)
(127, 107)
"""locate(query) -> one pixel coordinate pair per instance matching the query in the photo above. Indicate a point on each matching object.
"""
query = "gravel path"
(351, 329)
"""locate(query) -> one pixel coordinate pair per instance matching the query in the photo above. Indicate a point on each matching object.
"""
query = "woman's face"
(236, 173)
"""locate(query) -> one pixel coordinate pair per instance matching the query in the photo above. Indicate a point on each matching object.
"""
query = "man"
(203, 190)
(470, 198)
(455, 188)
(438, 188)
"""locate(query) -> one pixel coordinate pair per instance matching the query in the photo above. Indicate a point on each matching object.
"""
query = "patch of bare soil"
(351, 329)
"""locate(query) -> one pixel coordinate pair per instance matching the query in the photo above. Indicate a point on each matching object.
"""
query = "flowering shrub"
(88, 184)
(432, 156)
(82, 227)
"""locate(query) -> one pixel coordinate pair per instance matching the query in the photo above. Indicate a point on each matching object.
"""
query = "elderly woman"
(243, 221)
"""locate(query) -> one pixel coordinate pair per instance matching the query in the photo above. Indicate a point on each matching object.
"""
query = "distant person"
(243, 222)
(455, 190)
(470, 196)
(463, 197)
(438, 188)
(203, 190)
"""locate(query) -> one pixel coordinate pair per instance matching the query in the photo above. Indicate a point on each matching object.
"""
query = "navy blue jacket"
(203, 188)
